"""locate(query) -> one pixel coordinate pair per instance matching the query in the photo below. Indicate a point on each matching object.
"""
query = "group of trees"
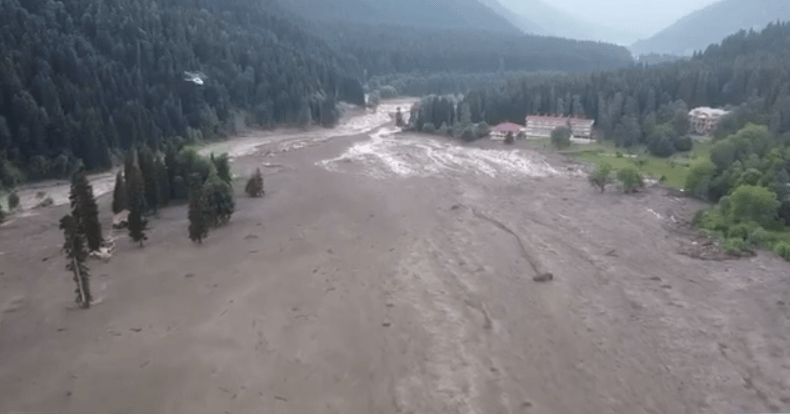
(151, 180)
(86, 80)
(748, 176)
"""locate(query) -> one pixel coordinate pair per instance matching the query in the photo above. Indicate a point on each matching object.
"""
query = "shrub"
(698, 179)
(13, 201)
(740, 231)
(618, 154)
(752, 203)
(561, 137)
(509, 138)
(428, 128)
(734, 245)
(468, 135)
(600, 176)
(758, 237)
(684, 144)
(254, 187)
(631, 179)
(783, 249)
(661, 147)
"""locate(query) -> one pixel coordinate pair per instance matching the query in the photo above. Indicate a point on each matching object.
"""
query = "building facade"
(499, 132)
(542, 126)
(704, 120)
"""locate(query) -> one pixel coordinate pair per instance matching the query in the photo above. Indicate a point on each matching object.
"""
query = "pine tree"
(119, 194)
(85, 211)
(219, 195)
(198, 217)
(222, 163)
(163, 182)
(2, 215)
(254, 186)
(136, 204)
(74, 247)
(150, 183)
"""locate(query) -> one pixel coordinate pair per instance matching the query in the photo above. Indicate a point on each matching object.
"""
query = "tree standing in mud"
(84, 210)
(198, 217)
(254, 186)
(74, 247)
(119, 194)
(136, 204)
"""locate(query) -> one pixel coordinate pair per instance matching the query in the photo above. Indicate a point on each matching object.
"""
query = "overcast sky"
(636, 16)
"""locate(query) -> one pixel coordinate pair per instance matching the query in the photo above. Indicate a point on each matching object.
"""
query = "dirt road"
(394, 274)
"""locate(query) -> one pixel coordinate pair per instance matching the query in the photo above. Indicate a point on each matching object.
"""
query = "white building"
(704, 120)
(542, 126)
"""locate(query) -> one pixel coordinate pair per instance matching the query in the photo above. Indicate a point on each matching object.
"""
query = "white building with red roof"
(500, 131)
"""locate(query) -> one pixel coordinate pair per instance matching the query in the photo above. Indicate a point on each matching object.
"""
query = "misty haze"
(413, 206)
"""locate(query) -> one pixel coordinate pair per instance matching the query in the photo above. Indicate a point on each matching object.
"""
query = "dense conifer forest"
(84, 80)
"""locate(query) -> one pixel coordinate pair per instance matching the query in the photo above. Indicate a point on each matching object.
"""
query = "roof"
(558, 120)
(507, 127)
(705, 111)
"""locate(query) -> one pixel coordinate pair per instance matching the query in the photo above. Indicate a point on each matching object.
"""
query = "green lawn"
(674, 169)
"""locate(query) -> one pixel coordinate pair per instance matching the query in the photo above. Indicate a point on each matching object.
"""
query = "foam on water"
(386, 155)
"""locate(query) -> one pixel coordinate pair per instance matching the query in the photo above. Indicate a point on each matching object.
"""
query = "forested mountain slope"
(83, 78)
(436, 14)
(385, 49)
(712, 24)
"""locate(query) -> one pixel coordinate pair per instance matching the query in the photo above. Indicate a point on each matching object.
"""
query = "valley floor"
(393, 273)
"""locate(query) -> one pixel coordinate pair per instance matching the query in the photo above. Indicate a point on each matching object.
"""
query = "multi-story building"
(542, 126)
(704, 120)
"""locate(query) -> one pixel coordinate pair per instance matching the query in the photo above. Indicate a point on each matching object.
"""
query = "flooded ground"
(394, 273)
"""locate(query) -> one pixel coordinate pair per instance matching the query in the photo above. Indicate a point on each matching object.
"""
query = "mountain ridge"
(710, 25)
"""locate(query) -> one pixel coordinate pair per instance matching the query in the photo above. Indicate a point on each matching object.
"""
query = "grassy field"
(673, 169)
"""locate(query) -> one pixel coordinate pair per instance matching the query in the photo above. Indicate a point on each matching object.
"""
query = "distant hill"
(712, 24)
(437, 14)
(521, 22)
(555, 22)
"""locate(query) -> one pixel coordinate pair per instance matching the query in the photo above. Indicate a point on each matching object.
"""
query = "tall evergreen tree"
(150, 183)
(198, 211)
(85, 211)
(136, 203)
(76, 255)
(222, 163)
(220, 198)
(163, 182)
(119, 194)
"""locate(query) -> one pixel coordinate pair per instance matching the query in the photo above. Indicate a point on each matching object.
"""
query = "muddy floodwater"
(388, 272)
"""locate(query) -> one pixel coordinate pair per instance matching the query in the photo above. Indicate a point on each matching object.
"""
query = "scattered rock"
(144, 364)
(655, 279)
(386, 324)
(666, 287)
(47, 202)
(543, 278)
(136, 329)
(251, 237)
(780, 303)
(121, 220)
(277, 397)
(526, 404)
(455, 207)
(612, 253)
(189, 275)
(329, 251)
(68, 393)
